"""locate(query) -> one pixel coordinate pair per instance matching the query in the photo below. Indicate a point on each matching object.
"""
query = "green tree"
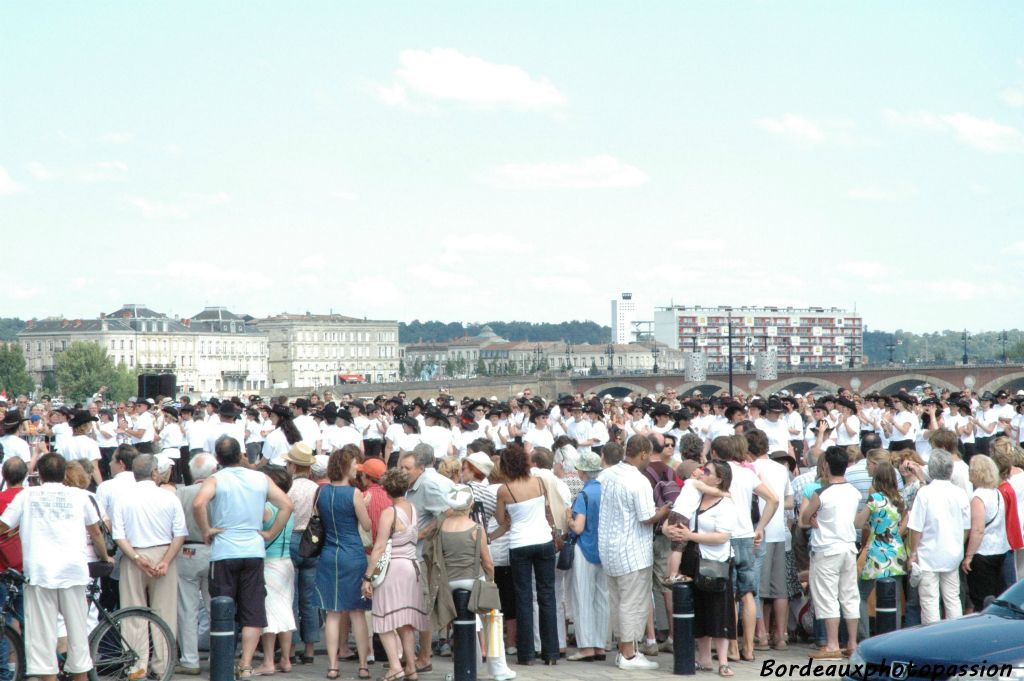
(50, 382)
(1016, 351)
(481, 367)
(14, 376)
(594, 371)
(84, 367)
(123, 384)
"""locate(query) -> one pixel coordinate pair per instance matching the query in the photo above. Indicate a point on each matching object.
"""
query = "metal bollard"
(886, 612)
(222, 639)
(464, 651)
(684, 662)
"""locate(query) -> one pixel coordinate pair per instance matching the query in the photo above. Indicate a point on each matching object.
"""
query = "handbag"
(366, 536)
(380, 571)
(313, 537)
(108, 539)
(712, 575)
(484, 595)
(568, 553)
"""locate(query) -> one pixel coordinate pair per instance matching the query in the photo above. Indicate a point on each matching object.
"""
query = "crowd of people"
(582, 511)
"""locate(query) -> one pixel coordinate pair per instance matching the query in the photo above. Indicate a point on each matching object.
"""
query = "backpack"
(666, 489)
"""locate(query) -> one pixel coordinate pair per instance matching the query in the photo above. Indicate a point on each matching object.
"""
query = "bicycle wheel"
(133, 642)
(12, 655)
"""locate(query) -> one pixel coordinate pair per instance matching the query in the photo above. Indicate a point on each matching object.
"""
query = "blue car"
(989, 644)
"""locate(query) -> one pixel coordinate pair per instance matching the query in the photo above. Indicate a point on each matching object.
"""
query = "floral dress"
(887, 555)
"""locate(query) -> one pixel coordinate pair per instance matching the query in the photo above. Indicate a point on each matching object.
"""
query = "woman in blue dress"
(342, 564)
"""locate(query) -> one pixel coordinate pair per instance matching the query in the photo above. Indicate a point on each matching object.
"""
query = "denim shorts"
(747, 575)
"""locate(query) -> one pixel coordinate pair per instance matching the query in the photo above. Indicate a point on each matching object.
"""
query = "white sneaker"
(638, 662)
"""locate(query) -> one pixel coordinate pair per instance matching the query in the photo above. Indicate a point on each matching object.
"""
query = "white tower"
(623, 316)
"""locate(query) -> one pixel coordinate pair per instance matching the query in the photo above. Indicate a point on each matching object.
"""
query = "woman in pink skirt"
(397, 603)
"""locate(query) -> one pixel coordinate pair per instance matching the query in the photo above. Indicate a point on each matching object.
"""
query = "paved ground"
(564, 671)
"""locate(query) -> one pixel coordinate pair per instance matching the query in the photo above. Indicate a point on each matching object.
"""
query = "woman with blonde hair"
(885, 516)
(986, 544)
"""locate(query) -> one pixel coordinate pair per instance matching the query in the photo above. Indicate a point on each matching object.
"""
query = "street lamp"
(654, 353)
(966, 337)
(611, 358)
(891, 347)
(537, 354)
(750, 348)
(1003, 337)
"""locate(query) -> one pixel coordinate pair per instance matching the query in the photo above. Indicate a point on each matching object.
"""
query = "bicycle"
(123, 645)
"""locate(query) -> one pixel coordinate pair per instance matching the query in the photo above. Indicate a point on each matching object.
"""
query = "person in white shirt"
(626, 547)
(59, 427)
(831, 513)
(437, 433)
(578, 428)
(227, 424)
(109, 492)
(985, 422)
(149, 528)
(50, 519)
(194, 429)
(773, 587)
(373, 432)
(775, 426)
(539, 435)
(848, 427)
(174, 444)
(80, 445)
(308, 428)
(598, 429)
(142, 429)
(341, 431)
(106, 438)
(901, 427)
(939, 522)
(15, 446)
(253, 435)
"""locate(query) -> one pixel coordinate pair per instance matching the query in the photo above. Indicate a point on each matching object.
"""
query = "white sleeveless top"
(529, 523)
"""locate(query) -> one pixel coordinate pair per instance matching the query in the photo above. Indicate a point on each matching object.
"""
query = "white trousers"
(41, 630)
(193, 584)
(928, 592)
(590, 598)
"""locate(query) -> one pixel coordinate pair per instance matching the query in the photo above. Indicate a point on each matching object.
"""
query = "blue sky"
(478, 161)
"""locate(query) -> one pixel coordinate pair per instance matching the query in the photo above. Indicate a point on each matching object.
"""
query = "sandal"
(364, 673)
(243, 673)
(697, 666)
(333, 673)
(397, 676)
(725, 670)
(428, 667)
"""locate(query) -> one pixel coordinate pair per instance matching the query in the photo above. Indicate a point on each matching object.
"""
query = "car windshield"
(1014, 595)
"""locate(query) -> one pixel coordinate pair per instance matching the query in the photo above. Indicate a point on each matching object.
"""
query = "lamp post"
(654, 353)
(611, 357)
(891, 347)
(966, 337)
(750, 348)
(1003, 337)
(568, 364)
(537, 354)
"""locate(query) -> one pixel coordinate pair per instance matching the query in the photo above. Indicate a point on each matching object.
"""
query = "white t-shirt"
(777, 432)
(406, 442)
(579, 431)
(16, 447)
(61, 432)
(80, 447)
(438, 437)
(308, 429)
(941, 514)
(776, 476)
(53, 519)
(214, 429)
(843, 437)
(275, 446)
(686, 503)
(335, 437)
(539, 437)
(143, 422)
(901, 419)
(253, 432)
(993, 541)
(961, 477)
(172, 437)
(744, 482)
(836, 532)
(106, 434)
(195, 433)
(795, 422)
(720, 427)
(394, 431)
(719, 518)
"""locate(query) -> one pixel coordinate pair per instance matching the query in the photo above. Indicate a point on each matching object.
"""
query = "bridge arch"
(908, 381)
(618, 389)
(1011, 382)
(800, 384)
(707, 387)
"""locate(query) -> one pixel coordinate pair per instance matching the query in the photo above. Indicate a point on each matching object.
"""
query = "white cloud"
(7, 184)
(344, 195)
(40, 172)
(876, 193)
(1016, 248)
(597, 172)
(957, 289)
(435, 277)
(384, 292)
(792, 125)
(978, 133)
(448, 75)
(864, 269)
(1013, 96)
(152, 210)
(104, 171)
(23, 292)
(556, 283)
(483, 243)
(314, 262)
(117, 137)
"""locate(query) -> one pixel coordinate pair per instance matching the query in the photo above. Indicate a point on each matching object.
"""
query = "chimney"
(78, 323)
(30, 323)
(64, 323)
